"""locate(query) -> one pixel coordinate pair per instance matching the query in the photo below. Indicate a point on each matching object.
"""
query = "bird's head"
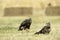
(30, 19)
(48, 24)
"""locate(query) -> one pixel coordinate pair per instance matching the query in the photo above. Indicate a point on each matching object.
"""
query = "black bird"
(45, 29)
(25, 24)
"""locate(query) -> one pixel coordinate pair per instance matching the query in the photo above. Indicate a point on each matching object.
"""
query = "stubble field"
(9, 28)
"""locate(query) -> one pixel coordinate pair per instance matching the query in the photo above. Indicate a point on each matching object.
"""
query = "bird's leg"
(27, 30)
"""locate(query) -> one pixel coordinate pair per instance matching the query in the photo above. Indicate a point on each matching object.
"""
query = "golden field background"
(9, 28)
(9, 25)
(37, 5)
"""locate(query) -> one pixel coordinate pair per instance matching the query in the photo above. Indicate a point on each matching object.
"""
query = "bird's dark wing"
(24, 22)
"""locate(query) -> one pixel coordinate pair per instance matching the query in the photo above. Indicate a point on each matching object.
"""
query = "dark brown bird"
(25, 24)
(45, 29)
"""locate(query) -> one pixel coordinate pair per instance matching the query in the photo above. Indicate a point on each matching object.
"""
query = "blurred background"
(13, 12)
(29, 7)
